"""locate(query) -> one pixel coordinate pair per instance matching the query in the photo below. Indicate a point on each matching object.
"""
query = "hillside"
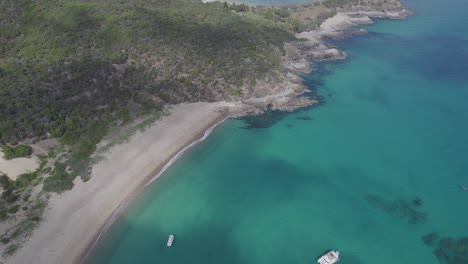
(72, 69)
(67, 65)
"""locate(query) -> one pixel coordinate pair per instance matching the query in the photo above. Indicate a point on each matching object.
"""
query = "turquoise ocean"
(370, 173)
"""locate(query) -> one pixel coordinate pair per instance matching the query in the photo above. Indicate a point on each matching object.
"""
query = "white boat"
(170, 240)
(329, 258)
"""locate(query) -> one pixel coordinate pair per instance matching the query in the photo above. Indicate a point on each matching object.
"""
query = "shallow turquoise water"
(394, 129)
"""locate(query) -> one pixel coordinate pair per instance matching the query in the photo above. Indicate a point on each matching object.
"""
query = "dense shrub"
(16, 151)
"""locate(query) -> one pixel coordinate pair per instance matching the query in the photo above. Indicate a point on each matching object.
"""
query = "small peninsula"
(99, 97)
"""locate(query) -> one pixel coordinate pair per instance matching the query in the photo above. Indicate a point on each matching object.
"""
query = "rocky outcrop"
(312, 44)
(283, 92)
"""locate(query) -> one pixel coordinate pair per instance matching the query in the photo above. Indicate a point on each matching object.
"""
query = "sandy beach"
(75, 219)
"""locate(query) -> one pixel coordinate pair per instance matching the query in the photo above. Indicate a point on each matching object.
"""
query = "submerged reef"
(448, 250)
(265, 120)
(304, 118)
(452, 251)
(399, 208)
(430, 238)
(417, 202)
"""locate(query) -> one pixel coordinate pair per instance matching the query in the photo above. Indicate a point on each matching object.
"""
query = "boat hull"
(170, 240)
(329, 258)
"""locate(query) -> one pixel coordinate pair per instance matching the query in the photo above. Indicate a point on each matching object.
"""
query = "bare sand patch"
(14, 167)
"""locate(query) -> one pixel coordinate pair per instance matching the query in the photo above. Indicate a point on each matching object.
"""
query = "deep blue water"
(369, 173)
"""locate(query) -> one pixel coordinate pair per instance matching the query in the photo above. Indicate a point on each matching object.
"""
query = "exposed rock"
(391, 14)
(283, 92)
(327, 53)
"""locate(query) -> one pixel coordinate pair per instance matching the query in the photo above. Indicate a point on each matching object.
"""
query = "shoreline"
(64, 238)
(146, 183)
(343, 24)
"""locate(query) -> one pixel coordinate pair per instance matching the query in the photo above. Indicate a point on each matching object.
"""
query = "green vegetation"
(125, 134)
(10, 187)
(4, 240)
(12, 190)
(14, 209)
(68, 64)
(3, 215)
(338, 3)
(23, 225)
(10, 204)
(10, 249)
(16, 152)
(60, 181)
(70, 69)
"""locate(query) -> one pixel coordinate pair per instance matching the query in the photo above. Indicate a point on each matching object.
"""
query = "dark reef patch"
(313, 83)
(452, 251)
(417, 202)
(271, 117)
(304, 118)
(430, 238)
(322, 99)
(448, 250)
(399, 208)
(265, 120)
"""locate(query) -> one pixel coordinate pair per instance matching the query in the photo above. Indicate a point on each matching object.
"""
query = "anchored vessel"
(329, 258)
(170, 240)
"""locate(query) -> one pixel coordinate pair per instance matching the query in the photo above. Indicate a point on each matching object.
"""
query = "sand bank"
(75, 219)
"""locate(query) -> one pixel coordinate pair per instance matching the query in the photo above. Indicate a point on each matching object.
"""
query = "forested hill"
(71, 67)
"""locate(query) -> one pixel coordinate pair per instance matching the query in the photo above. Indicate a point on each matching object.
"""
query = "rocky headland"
(314, 47)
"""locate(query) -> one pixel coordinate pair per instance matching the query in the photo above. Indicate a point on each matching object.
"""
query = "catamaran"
(329, 258)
